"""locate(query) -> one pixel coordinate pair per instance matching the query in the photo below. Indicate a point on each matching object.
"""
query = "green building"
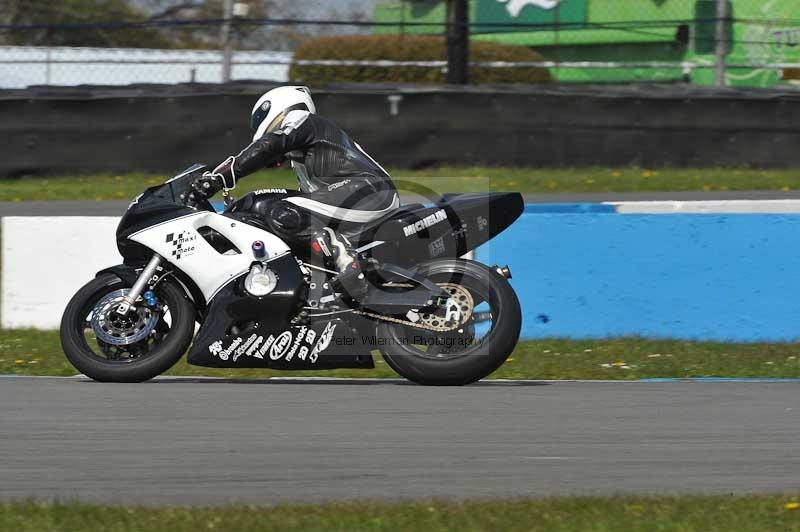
(632, 31)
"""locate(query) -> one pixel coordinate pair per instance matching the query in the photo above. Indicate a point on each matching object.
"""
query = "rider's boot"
(351, 279)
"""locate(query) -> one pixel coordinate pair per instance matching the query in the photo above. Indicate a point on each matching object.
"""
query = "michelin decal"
(429, 221)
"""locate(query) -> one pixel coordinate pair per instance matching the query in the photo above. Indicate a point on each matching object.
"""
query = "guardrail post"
(227, 41)
(722, 39)
(457, 42)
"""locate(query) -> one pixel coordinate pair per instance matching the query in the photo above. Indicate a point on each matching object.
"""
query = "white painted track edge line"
(775, 206)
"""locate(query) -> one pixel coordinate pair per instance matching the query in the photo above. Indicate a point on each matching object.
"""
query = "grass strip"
(31, 352)
(688, 513)
(446, 179)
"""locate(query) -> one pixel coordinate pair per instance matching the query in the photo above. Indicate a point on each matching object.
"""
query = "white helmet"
(270, 110)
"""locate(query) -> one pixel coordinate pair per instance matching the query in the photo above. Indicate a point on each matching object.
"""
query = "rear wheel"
(134, 347)
(476, 331)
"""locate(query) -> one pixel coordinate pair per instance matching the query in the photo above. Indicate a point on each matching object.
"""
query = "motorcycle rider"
(339, 182)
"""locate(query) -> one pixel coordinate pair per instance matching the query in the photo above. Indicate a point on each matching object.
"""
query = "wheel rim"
(117, 329)
(461, 340)
(126, 339)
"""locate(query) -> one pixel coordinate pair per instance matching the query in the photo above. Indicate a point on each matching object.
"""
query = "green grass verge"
(472, 179)
(28, 352)
(619, 514)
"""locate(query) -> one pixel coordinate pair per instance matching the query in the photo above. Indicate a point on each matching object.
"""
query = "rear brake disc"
(457, 310)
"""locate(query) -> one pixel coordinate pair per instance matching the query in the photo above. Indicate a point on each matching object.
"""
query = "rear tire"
(156, 361)
(474, 362)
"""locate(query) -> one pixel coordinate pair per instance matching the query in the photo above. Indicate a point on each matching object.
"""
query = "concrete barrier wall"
(85, 130)
(581, 271)
(46, 260)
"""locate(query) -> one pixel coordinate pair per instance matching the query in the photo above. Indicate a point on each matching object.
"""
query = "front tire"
(141, 362)
(462, 360)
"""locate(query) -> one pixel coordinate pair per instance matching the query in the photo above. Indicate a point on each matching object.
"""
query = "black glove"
(207, 185)
(210, 183)
(202, 188)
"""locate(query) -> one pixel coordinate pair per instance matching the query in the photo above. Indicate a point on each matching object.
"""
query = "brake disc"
(121, 329)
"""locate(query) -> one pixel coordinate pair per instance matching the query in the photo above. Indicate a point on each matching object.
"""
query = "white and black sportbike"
(261, 302)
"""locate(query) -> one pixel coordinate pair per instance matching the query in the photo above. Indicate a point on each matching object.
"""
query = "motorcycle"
(261, 302)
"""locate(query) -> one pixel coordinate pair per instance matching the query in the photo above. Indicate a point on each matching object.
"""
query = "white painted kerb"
(788, 206)
(46, 259)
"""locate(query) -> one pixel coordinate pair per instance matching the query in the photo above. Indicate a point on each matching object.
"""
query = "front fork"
(140, 284)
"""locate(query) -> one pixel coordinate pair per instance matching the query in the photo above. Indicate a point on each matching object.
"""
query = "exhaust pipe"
(505, 271)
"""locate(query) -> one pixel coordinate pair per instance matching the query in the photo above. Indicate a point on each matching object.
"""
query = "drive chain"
(455, 291)
(407, 323)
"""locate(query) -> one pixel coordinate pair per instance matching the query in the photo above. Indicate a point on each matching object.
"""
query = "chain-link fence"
(120, 42)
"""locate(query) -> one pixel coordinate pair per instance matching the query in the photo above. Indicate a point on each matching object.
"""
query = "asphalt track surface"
(196, 441)
(117, 208)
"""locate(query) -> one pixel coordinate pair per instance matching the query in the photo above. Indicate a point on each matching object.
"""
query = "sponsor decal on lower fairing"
(306, 345)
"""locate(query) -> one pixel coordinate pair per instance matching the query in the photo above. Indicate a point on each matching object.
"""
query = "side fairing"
(458, 223)
(180, 243)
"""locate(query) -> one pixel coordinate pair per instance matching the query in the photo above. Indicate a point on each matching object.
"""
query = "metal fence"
(26, 66)
(739, 42)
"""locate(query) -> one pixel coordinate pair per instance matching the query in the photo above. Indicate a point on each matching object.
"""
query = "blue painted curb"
(570, 208)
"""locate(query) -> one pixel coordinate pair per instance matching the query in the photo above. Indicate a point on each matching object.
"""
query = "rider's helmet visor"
(259, 116)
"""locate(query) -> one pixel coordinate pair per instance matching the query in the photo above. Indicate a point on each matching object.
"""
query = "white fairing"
(180, 244)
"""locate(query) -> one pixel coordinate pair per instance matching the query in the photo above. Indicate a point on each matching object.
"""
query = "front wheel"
(134, 347)
(462, 347)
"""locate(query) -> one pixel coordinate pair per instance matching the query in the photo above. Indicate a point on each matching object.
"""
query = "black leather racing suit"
(339, 182)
